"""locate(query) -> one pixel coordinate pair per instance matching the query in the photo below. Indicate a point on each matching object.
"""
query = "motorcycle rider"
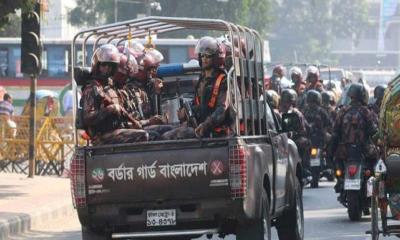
(278, 81)
(319, 123)
(355, 126)
(329, 104)
(104, 117)
(210, 105)
(379, 92)
(296, 76)
(299, 130)
(273, 98)
(312, 79)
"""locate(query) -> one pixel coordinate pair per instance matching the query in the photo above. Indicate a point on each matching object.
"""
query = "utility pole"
(147, 5)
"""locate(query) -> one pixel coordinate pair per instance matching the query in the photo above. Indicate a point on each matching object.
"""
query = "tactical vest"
(354, 125)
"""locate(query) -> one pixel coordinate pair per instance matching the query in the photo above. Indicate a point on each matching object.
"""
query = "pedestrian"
(7, 112)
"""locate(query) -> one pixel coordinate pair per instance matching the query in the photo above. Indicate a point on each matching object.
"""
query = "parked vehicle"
(242, 184)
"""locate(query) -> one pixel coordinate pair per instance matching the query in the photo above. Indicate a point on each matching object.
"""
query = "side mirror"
(290, 122)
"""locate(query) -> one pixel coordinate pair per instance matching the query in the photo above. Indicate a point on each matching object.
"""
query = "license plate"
(315, 162)
(165, 217)
(352, 184)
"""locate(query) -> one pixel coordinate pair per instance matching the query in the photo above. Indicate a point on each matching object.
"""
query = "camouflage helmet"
(379, 91)
(358, 92)
(313, 96)
(328, 98)
(289, 96)
(273, 98)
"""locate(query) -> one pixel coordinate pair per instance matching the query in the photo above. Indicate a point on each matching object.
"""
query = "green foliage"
(252, 13)
(8, 9)
(307, 28)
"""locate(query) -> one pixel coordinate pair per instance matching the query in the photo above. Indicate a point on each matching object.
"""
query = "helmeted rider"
(274, 100)
(104, 117)
(379, 92)
(312, 79)
(329, 104)
(299, 131)
(278, 81)
(354, 126)
(296, 75)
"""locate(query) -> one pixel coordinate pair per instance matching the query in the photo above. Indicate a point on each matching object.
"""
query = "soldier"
(379, 91)
(354, 126)
(317, 118)
(273, 99)
(299, 133)
(104, 118)
(312, 79)
(278, 81)
(329, 104)
(137, 89)
(210, 105)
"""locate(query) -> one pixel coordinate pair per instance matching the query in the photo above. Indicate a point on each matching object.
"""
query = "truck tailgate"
(157, 174)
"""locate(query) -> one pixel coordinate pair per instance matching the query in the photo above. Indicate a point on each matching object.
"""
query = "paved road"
(325, 219)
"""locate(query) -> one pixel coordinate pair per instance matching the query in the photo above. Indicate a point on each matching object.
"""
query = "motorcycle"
(353, 194)
(318, 161)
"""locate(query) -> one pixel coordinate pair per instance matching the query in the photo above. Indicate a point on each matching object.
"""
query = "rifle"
(192, 122)
(108, 101)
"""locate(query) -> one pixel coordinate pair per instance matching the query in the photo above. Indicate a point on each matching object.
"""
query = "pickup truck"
(182, 189)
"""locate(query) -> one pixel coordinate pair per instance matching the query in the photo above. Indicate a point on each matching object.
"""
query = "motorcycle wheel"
(354, 208)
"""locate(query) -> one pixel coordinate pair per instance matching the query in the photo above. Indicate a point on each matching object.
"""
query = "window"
(3, 62)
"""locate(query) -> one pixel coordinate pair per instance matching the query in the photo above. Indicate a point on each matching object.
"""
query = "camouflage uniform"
(139, 106)
(215, 118)
(354, 125)
(300, 135)
(316, 86)
(104, 125)
(319, 122)
(375, 110)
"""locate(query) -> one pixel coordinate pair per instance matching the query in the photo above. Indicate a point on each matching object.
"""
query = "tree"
(306, 29)
(96, 12)
(8, 10)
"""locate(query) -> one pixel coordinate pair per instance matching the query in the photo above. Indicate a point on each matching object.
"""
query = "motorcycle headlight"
(314, 152)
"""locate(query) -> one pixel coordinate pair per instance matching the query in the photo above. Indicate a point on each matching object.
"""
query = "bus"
(56, 63)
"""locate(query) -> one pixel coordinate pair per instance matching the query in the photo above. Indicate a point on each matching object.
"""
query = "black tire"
(92, 234)
(315, 178)
(259, 229)
(290, 225)
(354, 208)
(374, 218)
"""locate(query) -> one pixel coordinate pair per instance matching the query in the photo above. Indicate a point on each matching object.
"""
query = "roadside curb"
(17, 223)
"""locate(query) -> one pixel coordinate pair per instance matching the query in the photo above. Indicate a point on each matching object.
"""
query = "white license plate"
(165, 217)
(315, 162)
(352, 184)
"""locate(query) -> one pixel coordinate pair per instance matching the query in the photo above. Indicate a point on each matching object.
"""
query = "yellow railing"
(54, 139)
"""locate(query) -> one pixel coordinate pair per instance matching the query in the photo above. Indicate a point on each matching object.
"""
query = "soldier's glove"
(158, 85)
(182, 115)
(200, 130)
(114, 109)
(156, 120)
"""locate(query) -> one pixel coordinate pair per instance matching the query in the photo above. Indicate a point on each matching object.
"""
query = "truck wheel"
(259, 229)
(354, 208)
(92, 234)
(290, 225)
